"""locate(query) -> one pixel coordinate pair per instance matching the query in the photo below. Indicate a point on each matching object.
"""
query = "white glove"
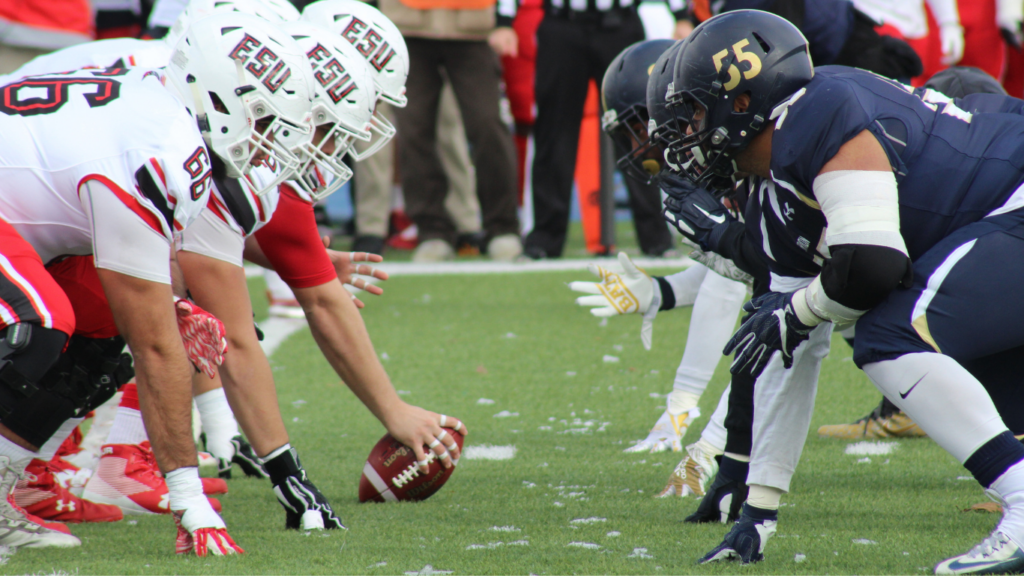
(200, 529)
(952, 38)
(669, 430)
(1009, 16)
(631, 292)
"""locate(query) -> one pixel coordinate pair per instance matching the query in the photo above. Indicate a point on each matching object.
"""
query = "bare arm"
(145, 317)
(341, 334)
(220, 288)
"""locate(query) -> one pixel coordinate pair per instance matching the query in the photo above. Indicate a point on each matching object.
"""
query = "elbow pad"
(856, 279)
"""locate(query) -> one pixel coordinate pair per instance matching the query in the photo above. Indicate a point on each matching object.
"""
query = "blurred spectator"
(451, 38)
(576, 42)
(29, 28)
(938, 40)
(836, 32)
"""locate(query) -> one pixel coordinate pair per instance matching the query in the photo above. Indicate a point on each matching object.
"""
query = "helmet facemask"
(323, 171)
(382, 133)
(639, 153)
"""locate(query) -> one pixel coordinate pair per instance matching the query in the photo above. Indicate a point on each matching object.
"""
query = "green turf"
(514, 339)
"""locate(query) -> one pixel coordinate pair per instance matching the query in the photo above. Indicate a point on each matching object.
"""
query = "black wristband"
(668, 295)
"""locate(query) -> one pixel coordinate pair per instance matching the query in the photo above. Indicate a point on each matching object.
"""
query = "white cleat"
(17, 530)
(692, 475)
(996, 554)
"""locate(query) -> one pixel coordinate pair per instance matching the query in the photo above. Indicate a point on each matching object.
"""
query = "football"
(391, 474)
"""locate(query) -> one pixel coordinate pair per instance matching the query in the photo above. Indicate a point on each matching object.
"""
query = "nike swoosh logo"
(904, 395)
(719, 219)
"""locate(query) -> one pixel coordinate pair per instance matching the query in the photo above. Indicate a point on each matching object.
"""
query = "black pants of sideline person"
(474, 72)
(569, 54)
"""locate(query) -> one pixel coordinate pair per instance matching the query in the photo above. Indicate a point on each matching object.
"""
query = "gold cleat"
(885, 421)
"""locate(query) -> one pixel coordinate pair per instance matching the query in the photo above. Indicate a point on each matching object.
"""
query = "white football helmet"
(250, 89)
(345, 95)
(378, 40)
(270, 10)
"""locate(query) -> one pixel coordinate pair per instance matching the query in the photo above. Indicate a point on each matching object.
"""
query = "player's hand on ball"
(630, 292)
(423, 431)
(203, 335)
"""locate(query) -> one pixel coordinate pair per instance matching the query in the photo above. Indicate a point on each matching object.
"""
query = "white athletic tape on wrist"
(821, 306)
(861, 207)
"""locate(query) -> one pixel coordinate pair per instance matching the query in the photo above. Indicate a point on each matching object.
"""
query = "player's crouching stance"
(111, 163)
(879, 187)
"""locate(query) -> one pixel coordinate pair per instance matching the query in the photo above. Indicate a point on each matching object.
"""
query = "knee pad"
(78, 380)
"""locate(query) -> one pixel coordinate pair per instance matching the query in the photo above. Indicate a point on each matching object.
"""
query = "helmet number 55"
(734, 72)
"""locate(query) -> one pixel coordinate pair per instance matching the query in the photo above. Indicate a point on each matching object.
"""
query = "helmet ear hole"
(742, 102)
(764, 45)
(218, 104)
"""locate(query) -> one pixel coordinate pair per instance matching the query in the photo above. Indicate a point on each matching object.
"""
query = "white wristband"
(184, 487)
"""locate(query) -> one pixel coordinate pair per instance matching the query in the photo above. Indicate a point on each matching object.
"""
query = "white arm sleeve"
(945, 12)
(121, 240)
(213, 237)
(860, 207)
(686, 284)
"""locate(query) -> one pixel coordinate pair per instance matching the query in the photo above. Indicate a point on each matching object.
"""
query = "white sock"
(764, 497)
(1010, 488)
(48, 450)
(127, 428)
(219, 422)
(711, 325)
(714, 434)
(942, 397)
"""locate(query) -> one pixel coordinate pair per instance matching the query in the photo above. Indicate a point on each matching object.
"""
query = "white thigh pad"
(861, 207)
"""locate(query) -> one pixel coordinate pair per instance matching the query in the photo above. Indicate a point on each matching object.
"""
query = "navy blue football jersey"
(954, 161)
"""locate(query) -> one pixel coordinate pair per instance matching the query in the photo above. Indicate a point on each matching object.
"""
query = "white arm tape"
(813, 306)
(861, 207)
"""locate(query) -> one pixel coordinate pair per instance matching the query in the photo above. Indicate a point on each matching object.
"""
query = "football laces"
(411, 472)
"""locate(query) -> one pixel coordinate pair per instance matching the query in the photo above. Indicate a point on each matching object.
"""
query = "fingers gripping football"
(426, 433)
(203, 335)
(202, 531)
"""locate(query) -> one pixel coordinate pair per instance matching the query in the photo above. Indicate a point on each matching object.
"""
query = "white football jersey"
(120, 128)
(113, 53)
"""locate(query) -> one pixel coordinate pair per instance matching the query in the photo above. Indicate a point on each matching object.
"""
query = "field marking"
(276, 330)
(488, 452)
(871, 448)
(487, 267)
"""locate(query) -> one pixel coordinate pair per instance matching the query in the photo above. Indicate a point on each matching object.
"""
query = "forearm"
(339, 330)
(164, 381)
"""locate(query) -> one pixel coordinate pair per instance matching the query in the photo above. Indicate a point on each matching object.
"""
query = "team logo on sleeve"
(262, 63)
(199, 168)
(369, 42)
(330, 73)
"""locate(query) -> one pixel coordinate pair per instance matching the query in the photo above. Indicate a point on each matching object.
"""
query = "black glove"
(772, 325)
(246, 459)
(723, 500)
(747, 538)
(305, 507)
(696, 213)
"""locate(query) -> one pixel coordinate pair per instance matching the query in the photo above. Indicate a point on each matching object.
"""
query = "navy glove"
(695, 212)
(724, 499)
(747, 539)
(771, 325)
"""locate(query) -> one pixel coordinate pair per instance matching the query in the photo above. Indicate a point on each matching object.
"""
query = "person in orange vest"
(29, 28)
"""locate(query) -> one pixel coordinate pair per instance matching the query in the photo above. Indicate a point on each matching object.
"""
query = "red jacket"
(46, 24)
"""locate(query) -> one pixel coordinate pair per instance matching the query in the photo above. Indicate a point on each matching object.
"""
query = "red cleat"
(128, 477)
(39, 493)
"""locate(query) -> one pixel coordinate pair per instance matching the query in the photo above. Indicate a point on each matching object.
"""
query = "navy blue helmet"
(662, 125)
(740, 52)
(624, 103)
(959, 81)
